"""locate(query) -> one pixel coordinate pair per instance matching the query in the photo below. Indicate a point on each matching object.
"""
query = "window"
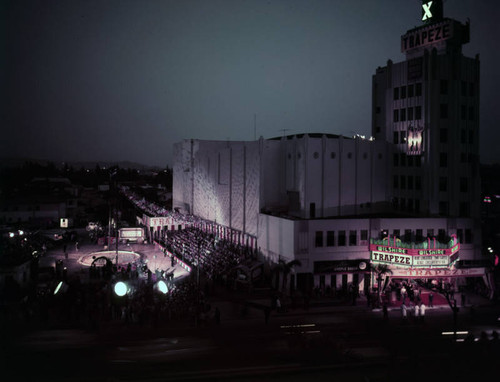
(395, 160)
(352, 238)
(396, 233)
(410, 114)
(341, 239)
(463, 89)
(402, 114)
(443, 184)
(463, 185)
(471, 113)
(332, 155)
(396, 181)
(464, 209)
(471, 137)
(319, 239)
(330, 238)
(407, 237)
(468, 236)
(418, 161)
(430, 232)
(402, 137)
(418, 183)
(460, 235)
(364, 235)
(377, 110)
(463, 112)
(395, 203)
(410, 161)
(349, 155)
(377, 129)
(410, 182)
(396, 93)
(443, 160)
(403, 159)
(418, 112)
(396, 115)
(443, 208)
(403, 182)
(419, 235)
(395, 139)
(471, 89)
(443, 110)
(463, 158)
(441, 235)
(410, 204)
(403, 204)
(403, 92)
(411, 90)
(443, 87)
(418, 89)
(463, 136)
(443, 135)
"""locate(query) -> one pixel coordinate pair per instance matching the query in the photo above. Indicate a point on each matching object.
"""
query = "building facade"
(408, 197)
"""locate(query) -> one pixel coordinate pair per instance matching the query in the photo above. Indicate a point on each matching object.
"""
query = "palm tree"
(286, 268)
(380, 270)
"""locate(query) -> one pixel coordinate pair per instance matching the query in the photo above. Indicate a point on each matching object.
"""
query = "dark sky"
(124, 80)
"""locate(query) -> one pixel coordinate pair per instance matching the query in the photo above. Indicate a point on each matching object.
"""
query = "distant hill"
(18, 162)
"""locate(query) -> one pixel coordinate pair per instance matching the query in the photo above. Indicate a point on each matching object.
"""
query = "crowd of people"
(216, 256)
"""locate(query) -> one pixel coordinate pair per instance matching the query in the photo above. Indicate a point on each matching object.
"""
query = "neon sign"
(426, 8)
(415, 138)
(414, 255)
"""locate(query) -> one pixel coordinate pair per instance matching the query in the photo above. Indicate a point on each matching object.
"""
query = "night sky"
(123, 80)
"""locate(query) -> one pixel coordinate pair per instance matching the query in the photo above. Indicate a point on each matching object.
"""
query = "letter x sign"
(427, 10)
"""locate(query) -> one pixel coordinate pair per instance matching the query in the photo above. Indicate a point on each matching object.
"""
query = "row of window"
(463, 209)
(407, 182)
(341, 238)
(404, 160)
(407, 114)
(333, 155)
(409, 205)
(465, 88)
(408, 91)
(443, 184)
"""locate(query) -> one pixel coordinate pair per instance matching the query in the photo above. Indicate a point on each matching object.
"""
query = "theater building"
(407, 197)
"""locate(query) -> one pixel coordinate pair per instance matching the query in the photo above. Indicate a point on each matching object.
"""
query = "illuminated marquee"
(410, 255)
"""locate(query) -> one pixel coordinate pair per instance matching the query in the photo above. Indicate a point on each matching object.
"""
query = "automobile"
(92, 226)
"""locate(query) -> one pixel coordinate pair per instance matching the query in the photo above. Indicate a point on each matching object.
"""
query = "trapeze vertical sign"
(415, 138)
